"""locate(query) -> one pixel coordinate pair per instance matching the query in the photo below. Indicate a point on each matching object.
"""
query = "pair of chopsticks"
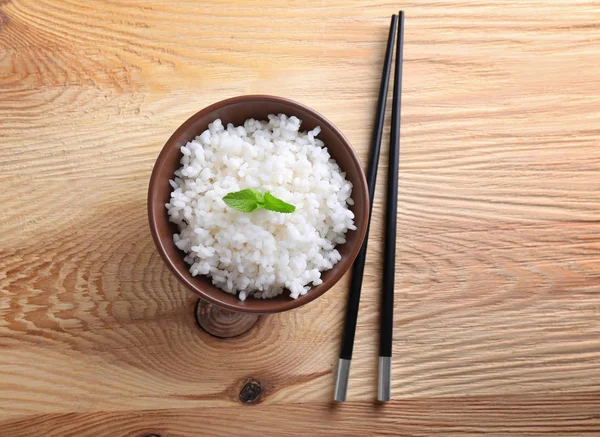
(387, 301)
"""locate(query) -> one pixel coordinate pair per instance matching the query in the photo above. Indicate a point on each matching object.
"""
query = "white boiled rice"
(260, 253)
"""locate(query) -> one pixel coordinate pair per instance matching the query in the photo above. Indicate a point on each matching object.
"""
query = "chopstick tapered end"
(384, 385)
(341, 380)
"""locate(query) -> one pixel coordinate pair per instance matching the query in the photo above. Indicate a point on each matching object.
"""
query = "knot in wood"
(223, 323)
(251, 391)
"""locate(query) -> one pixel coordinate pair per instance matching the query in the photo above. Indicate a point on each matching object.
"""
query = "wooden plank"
(574, 414)
(498, 273)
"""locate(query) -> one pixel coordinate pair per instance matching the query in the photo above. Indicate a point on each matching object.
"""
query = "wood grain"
(497, 324)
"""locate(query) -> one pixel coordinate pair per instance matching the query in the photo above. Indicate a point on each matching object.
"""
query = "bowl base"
(223, 323)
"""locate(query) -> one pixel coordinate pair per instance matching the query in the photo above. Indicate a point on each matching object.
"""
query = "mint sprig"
(248, 200)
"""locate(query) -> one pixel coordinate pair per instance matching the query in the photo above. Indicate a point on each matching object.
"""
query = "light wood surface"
(497, 324)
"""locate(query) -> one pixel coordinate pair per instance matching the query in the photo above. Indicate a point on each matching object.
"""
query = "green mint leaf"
(260, 199)
(272, 203)
(245, 200)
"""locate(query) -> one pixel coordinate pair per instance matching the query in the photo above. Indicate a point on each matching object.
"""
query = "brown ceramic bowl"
(236, 110)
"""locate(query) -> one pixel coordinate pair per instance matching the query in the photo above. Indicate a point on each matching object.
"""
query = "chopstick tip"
(341, 380)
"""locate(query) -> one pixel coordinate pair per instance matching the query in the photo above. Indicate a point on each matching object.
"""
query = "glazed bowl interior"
(236, 110)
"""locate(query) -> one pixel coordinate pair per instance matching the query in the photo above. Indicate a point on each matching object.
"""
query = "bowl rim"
(152, 218)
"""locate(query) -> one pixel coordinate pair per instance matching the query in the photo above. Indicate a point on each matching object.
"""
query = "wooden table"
(497, 327)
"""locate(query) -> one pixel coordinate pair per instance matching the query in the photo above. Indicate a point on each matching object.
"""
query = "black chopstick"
(343, 370)
(389, 260)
